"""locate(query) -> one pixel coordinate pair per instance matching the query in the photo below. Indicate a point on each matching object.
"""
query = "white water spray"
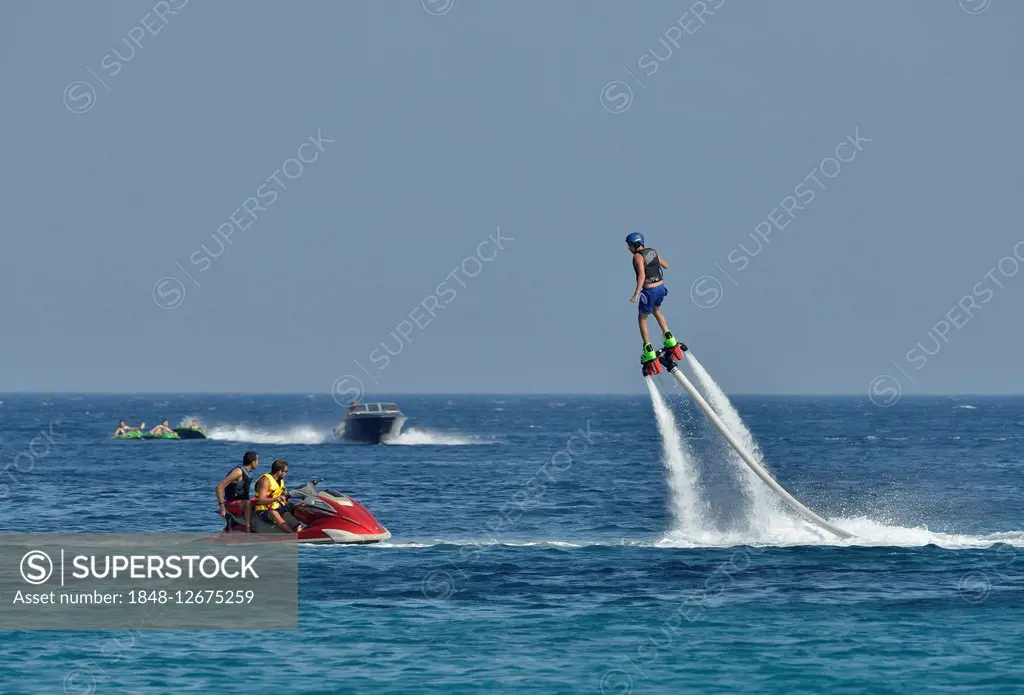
(413, 437)
(793, 502)
(298, 434)
(687, 506)
(765, 506)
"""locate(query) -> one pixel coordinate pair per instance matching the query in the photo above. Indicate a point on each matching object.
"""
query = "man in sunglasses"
(272, 496)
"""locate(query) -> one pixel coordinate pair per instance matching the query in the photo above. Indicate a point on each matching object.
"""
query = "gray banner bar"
(147, 582)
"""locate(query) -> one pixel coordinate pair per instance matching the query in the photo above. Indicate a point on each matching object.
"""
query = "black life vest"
(652, 266)
(238, 490)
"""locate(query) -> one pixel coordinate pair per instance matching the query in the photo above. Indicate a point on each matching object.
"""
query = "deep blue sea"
(536, 548)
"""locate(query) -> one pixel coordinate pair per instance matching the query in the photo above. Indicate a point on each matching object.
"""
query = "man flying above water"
(651, 291)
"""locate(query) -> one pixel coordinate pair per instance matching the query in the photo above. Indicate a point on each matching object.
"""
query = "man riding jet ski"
(318, 516)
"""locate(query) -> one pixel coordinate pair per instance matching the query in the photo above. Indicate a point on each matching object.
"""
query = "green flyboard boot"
(649, 364)
(673, 347)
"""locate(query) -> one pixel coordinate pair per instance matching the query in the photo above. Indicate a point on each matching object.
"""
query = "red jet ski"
(329, 516)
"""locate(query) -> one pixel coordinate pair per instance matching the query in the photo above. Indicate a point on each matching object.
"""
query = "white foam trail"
(687, 507)
(416, 437)
(300, 434)
(767, 513)
(562, 544)
(868, 533)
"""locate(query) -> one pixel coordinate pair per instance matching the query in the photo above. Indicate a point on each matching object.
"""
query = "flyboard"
(668, 358)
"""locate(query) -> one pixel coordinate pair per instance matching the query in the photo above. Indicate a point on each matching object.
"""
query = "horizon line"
(486, 393)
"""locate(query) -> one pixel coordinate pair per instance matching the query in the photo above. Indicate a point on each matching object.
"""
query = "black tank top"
(652, 268)
(239, 490)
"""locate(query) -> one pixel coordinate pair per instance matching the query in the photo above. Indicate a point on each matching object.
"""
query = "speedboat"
(329, 516)
(371, 423)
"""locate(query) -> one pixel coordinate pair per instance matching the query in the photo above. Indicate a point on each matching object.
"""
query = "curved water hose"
(761, 473)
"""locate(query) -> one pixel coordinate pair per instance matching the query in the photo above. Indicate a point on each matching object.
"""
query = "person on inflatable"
(162, 428)
(124, 428)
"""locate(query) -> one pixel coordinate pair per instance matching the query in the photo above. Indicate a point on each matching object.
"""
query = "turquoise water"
(514, 568)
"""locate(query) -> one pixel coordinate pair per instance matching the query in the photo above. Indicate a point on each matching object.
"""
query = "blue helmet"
(634, 238)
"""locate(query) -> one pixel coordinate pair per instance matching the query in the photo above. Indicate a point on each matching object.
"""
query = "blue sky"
(360, 158)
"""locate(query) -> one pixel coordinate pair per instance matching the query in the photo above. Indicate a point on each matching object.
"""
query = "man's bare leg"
(661, 321)
(247, 509)
(280, 522)
(642, 320)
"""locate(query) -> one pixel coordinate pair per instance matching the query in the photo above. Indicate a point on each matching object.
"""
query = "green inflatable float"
(166, 435)
(189, 433)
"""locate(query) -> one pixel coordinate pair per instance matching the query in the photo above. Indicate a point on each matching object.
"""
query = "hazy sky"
(378, 146)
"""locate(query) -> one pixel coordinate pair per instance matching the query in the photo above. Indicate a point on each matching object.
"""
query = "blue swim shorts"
(651, 297)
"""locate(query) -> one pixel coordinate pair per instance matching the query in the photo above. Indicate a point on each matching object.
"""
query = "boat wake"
(418, 437)
(298, 434)
(308, 434)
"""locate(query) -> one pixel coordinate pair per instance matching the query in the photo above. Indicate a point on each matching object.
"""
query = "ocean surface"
(553, 544)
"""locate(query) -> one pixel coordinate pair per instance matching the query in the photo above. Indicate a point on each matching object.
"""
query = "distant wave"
(299, 434)
(967, 407)
(418, 437)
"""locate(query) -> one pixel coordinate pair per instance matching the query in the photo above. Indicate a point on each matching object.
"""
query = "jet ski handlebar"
(307, 490)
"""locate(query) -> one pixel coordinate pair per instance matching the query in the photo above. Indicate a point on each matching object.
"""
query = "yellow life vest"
(275, 489)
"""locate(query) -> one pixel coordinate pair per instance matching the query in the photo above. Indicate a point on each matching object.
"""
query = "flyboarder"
(651, 292)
